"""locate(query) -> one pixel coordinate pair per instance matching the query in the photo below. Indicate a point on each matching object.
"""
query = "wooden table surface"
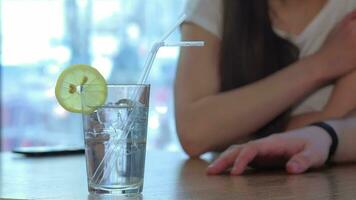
(170, 176)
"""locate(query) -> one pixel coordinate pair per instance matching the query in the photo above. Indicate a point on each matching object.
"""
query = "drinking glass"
(115, 139)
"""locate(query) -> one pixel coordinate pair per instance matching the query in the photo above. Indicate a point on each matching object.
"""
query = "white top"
(208, 14)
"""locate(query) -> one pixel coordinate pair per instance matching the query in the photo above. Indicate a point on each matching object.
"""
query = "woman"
(272, 66)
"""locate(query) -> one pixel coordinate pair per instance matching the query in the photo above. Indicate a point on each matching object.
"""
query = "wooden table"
(170, 176)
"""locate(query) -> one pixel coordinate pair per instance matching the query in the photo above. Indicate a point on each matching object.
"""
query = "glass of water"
(115, 140)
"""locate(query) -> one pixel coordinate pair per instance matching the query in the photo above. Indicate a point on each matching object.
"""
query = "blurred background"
(39, 38)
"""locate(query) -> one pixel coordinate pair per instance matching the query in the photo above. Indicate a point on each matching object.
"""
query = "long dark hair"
(251, 50)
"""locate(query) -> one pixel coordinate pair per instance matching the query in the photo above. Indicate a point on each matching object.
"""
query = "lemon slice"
(69, 84)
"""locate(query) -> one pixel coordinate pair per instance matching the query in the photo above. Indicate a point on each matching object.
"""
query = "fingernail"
(211, 165)
(234, 172)
(295, 167)
(210, 170)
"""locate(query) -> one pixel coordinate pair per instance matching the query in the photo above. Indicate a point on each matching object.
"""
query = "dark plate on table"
(48, 150)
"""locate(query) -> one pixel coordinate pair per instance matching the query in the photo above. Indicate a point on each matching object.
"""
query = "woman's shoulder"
(206, 14)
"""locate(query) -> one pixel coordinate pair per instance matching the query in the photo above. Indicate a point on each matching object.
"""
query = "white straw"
(173, 28)
(152, 54)
(184, 44)
(149, 62)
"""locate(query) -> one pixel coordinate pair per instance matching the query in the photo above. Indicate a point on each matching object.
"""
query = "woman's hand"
(337, 53)
(297, 150)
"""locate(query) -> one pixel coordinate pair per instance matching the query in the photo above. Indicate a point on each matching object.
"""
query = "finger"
(247, 154)
(224, 161)
(300, 162)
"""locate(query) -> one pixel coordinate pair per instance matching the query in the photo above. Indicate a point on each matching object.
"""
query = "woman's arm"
(343, 98)
(341, 103)
(298, 150)
(208, 120)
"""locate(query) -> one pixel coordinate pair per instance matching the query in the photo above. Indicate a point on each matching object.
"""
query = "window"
(39, 38)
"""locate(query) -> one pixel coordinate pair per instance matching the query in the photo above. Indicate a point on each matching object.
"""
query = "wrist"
(320, 69)
(315, 68)
(330, 131)
(338, 127)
